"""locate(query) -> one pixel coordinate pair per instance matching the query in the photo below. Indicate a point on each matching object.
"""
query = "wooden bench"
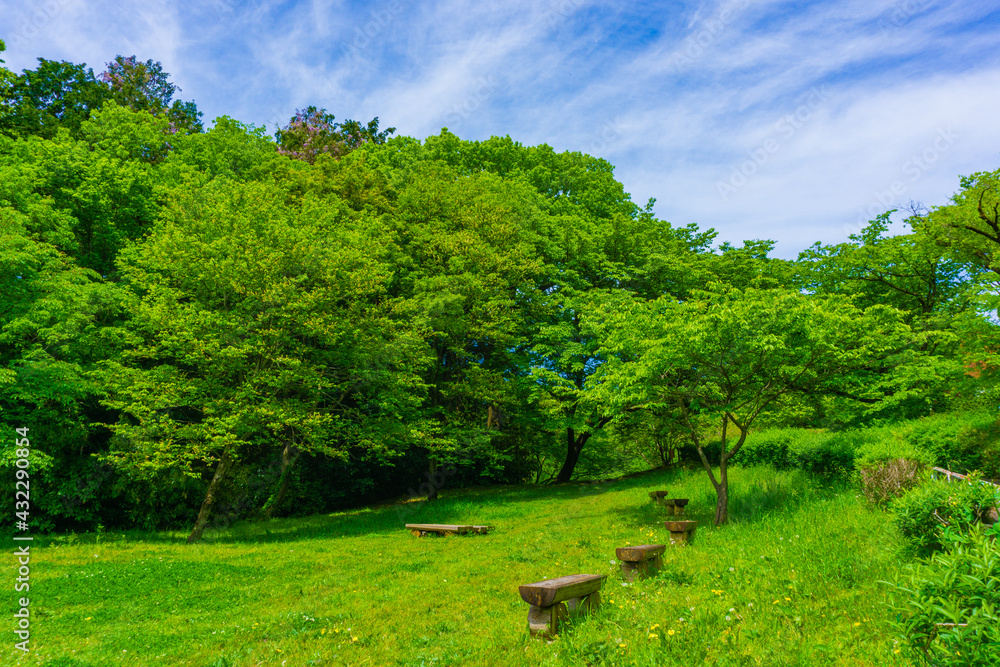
(638, 561)
(674, 504)
(421, 529)
(553, 600)
(658, 496)
(681, 532)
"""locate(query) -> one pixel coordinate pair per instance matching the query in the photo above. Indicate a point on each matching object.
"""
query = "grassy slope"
(796, 573)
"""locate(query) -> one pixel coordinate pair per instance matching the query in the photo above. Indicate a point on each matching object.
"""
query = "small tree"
(724, 358)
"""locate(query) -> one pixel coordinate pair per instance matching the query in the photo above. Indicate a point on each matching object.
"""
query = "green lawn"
(793, 580)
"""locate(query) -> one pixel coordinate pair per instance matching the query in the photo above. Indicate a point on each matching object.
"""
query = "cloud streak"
(680, 96)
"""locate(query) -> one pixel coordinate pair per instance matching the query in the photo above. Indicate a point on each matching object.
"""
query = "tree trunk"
(574, 445)
(206, 507)
(722, 496)
(289, 456)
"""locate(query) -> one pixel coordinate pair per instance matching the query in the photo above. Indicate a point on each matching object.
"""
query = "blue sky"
(794, 121)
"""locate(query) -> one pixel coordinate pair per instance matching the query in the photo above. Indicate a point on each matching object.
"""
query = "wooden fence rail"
(949, 475)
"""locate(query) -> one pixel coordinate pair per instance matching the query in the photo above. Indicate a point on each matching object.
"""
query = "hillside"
(793, 580)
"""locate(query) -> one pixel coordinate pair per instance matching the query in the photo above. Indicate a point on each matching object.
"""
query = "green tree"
(144, 86)
(257, 321)
(57, 94)
(718, 361)
(907, 271)
(312, 132)
(968, 228)
(970, 225)
(51, 314)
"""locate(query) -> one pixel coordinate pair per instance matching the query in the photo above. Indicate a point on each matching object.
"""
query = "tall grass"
(791, 581)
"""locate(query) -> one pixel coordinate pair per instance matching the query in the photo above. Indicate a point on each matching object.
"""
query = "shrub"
(979, 445)
(887, 466)
(948, 607)
(923, 513)
(959, 442)
(770, 447)
(826, 454)
(886, 480)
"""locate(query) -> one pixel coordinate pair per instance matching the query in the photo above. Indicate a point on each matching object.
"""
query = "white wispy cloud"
(808, 113)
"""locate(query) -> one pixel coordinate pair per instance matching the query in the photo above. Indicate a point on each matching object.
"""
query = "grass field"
(793, 580)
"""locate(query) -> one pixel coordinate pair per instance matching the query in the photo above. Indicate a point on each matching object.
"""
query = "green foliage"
(254, 319)
(771, 447)
(959, 441)
(731, 355)
(312, 132)
(948, 605)
(144, 86)
(907, 271)
(54, 95)
(968, 225)
(924, 514)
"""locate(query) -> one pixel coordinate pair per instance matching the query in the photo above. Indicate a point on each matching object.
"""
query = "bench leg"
(544, 621)
(682, 537)
(592, 602)
(584, 605)
(641, 569)
(631, 570)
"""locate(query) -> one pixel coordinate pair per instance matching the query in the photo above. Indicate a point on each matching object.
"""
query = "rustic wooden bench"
(638, 561)
(681, 532)
(676, 505)
(553, 600)
(421, 529)
(658, 496)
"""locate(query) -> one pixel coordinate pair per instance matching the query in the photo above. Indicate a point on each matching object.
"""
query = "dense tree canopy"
(213, 323)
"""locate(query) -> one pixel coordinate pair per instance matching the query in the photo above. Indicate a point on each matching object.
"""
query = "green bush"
(826, 454)
(923, 513)
(770, 447)
(948, 606)
(959, 441)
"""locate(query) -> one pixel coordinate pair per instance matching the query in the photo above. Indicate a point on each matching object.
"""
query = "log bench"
(553, 600)
(638, 561)
(681, 532)
(446, 530)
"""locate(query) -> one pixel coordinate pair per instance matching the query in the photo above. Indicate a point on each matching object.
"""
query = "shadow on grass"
(754, 495)
(476, 505)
